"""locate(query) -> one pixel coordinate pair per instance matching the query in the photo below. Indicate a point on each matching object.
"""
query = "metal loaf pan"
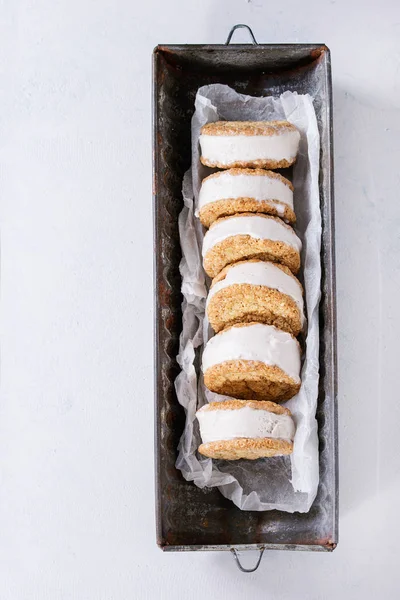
(189, 518)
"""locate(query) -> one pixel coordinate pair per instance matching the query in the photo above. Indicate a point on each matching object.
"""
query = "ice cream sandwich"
(255, 144)
(245, 190)
(246, 236)
(236, 429)
(259, 291)
(252, 361)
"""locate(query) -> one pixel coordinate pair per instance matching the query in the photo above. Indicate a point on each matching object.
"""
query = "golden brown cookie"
(255, 144)
(245, 190)
(234, 403)
(250, 449)
(246, 236)
(258, 291)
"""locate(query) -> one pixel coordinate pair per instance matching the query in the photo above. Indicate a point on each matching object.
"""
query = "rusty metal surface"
(189, 518)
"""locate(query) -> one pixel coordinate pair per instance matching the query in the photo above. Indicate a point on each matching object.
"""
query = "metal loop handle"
(241, 568)
(241, 26)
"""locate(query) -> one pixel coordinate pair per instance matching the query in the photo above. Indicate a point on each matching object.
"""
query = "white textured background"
(76, 410)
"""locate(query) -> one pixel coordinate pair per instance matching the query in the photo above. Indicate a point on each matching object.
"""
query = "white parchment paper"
(282, 483)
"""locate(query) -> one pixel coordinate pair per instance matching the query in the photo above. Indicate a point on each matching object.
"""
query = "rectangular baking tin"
(189, 518)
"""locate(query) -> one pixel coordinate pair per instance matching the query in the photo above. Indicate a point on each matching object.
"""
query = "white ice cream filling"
(229, 424)
(254, 226)
(227, 149)
(257, 342)
(257, 187)
(261, 273)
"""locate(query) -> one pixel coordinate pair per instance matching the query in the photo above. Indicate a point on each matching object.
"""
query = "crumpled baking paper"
(283, 483)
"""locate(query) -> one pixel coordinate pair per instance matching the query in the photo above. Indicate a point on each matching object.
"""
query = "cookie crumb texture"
(248, 448)
(247, 303)
(260, 163)
(245, 247)
(250, 380)
(268, 128)
(232, 206)
(231, 404)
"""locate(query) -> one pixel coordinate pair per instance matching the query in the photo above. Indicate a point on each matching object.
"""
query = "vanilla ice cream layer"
(227, 149)
(258, 187)
(261, 273)
(258, 342)
(217, 425)
(255, 226)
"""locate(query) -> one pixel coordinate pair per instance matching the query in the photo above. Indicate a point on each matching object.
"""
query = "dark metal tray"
(189, 518)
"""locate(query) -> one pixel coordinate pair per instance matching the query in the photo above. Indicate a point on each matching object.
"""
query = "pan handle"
(240, 567)
(241, 26)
